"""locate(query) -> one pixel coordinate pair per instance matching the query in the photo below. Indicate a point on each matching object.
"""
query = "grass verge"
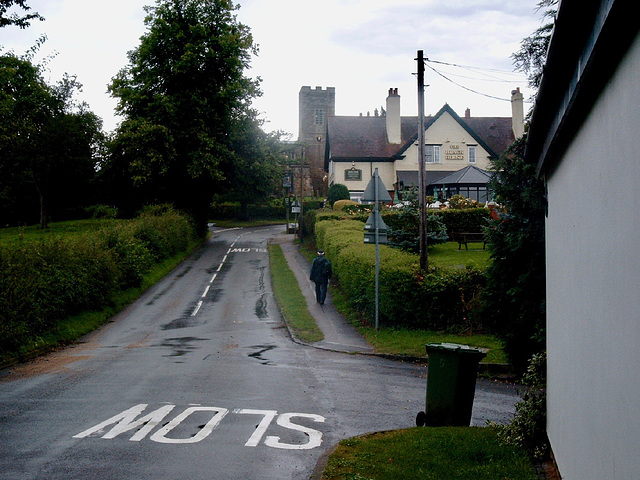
(411, 343)
(290, 298)
(445, 453)
(403, 341)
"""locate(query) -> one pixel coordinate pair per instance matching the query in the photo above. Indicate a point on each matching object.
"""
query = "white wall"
(593, 290)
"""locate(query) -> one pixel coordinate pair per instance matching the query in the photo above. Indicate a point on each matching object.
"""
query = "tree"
(531, 57)
(253, 167)
(515, 292)
(47, 144)
(407, 235)
(19, 21)
(182, 95)
(337, 191)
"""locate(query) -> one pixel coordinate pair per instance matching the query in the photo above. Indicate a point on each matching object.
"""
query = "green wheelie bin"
(451, 384)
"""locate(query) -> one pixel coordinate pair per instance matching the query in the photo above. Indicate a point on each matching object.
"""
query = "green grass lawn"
(67, 229)
(445, 453)
(447, 255)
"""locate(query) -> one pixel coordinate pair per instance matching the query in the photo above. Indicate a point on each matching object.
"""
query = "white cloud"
(361, 47)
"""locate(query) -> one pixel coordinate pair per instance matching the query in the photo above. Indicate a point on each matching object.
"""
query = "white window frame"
(473, 154)
(432, 154)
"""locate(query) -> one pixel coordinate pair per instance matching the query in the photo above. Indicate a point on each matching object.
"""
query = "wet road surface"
(198, 379)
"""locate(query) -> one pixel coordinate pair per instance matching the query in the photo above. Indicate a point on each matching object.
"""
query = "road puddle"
(259, 354)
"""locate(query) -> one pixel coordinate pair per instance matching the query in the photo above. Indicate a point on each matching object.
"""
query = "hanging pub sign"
(287, 180)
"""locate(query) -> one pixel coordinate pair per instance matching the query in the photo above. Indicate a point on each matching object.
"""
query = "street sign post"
(376, 192)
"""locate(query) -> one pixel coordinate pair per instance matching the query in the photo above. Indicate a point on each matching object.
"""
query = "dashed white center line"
(206, 290)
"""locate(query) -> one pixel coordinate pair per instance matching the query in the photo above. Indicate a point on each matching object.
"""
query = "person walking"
(320, 275)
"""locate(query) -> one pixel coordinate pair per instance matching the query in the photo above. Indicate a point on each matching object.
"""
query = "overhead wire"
(477, 70)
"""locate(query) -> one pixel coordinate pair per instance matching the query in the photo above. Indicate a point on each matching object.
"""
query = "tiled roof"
(470, 175)
(351, 138)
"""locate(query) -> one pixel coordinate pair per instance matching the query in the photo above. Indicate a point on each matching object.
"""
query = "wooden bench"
(463, 237)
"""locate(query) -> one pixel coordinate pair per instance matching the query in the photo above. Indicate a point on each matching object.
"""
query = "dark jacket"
(320, 270)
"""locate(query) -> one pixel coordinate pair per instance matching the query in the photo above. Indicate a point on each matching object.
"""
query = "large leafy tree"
(182, 95)
(47, 144)
(253, 171)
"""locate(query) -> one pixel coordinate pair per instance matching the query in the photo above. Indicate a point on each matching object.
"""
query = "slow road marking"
(128, 421)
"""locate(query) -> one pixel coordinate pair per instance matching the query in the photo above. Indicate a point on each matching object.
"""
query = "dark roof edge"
(467, 128)
(579, 65)
(363, 159)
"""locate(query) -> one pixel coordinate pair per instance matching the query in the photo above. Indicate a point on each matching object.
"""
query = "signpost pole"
(375, 229)
(376, 179)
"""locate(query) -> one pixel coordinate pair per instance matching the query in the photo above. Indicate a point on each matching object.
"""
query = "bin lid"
(455, 347)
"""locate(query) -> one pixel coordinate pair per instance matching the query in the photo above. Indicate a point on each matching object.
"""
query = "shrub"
(337, 191)
(460, 202)
(342, 204)
(44, 281)
(514, 300)
(441, 299)
(474, 219)
(233, 211)
(102, 211)
(528, 427)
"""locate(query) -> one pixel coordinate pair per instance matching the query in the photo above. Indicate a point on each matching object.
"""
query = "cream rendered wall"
(593, 283)
(385, 170)
(447, 132)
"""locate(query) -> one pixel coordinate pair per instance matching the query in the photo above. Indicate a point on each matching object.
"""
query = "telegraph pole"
(422, 188)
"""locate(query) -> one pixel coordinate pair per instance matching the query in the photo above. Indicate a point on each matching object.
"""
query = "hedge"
(45, 281)
(441, 299)
(275, 210)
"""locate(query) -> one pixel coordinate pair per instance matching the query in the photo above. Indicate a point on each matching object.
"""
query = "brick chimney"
(517, 113)
(394, 134)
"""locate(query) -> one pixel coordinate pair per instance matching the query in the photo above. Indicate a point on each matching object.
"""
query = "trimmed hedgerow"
(45, 281)
(440, 299)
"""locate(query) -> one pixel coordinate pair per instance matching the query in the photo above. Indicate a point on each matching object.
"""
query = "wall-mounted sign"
(353, 174)
(454, 153)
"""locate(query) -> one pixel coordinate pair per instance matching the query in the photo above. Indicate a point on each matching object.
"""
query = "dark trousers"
(321, 292)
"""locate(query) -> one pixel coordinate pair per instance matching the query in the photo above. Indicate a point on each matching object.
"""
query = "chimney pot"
(467, 113)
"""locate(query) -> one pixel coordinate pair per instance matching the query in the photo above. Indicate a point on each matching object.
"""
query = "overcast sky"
(360, 47)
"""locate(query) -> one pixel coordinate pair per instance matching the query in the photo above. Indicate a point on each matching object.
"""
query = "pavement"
(339, 335)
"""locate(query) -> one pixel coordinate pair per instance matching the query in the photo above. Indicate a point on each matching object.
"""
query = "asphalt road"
(199, 379)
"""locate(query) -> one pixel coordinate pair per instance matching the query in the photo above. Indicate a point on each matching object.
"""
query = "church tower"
(314, 106)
